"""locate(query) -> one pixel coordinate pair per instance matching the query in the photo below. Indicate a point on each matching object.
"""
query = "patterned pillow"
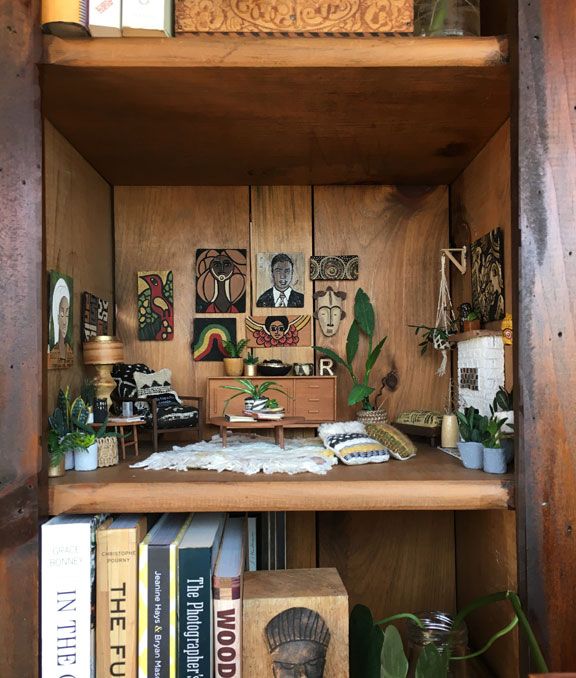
(154, 384)
(349, 441)
(123, 375)
(399, 445)
(420, 418)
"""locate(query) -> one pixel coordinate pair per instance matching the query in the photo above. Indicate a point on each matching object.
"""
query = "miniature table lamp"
(103, 352)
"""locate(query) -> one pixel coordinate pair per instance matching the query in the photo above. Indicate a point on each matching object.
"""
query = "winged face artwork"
(278, 330)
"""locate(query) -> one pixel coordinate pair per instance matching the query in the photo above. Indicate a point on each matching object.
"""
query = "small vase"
(471, 325)
(472, 454)
(54, 471)
(69, 460)
(250, 369)
(259, 404)
(447, 17)
(234, 367)
(372, 416)
(494, 460)
(86, 459)
(449, 436)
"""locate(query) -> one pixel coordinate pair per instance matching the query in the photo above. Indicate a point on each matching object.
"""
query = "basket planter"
(86, 459)
(472, 454)
(372, 416)
(494, 460)
(107, 451)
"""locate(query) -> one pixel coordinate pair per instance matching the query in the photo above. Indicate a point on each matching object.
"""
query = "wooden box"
(294, 616)
(295, 16)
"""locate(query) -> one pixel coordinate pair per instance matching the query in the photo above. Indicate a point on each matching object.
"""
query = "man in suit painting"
(281, 294)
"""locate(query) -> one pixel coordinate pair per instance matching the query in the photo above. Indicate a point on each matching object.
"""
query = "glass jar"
(447, 17)
(438, 630)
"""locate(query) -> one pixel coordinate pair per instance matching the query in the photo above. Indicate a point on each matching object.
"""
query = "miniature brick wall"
(486, 356)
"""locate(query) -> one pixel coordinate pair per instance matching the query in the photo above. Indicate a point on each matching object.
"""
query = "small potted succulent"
(250, 363)
(234, 363)
(254, 394)
(494, 457)
(58, 437)
(473, 428)
(503, 408)
(471, 321)
(84, 439)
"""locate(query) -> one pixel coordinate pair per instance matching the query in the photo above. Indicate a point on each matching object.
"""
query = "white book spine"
(154, 17)
(251, 550)
(66, 591)
(105, 18)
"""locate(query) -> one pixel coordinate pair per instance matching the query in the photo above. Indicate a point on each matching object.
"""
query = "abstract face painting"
(220, 281)
(60, 351)
(297, 641)
(329, 310)
(155, 306)
(278, 330)
(280, 280)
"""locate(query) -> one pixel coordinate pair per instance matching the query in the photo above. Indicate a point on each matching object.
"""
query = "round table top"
(257, 423)
(120, 421)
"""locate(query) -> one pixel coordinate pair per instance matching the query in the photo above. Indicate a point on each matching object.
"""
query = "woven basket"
(372, 416)
(107, 451)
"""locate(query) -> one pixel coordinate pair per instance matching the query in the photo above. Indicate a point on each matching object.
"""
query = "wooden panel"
(392, 562)
(79, 239)
(294, 16)
(301, 539)
(161, 228)
(21, 314)
(277, 111)
(480, 202)
(546, 329)
(486, 562)
(431, 481)
(282, 222)
(398, 234)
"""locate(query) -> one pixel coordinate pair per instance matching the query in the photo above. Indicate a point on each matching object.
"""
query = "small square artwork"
(221, 281)
(341, 267)
(155, 306)
(280, 280)
(94, 316)
(271, 331)
(209, 337)
(60, 321)
(487, 275)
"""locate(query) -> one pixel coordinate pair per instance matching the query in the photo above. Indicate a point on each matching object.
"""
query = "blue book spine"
(194, 613)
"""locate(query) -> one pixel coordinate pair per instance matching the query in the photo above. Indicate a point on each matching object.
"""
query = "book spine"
(158, 665)
(251, 541)
(194, 614)
(117, 608)
(228, 631)
(66, 590)
(143, 611)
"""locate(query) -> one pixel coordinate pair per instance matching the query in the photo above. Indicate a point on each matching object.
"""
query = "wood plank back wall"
(396, 233)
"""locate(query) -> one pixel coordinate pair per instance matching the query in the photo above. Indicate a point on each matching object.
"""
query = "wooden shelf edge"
(473, 334)
(234, 51)
(309, 495)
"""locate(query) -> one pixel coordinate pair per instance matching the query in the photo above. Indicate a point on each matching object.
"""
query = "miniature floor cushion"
(351, 444)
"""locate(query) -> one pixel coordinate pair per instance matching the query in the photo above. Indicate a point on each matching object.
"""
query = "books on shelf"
(67, 580)
(227, 584)
(117, 542)
(265, 415)
(105, 18)
(157, 596)
(238, 417)
(150, 19)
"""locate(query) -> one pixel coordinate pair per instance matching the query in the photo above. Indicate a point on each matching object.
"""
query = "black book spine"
(159, 612)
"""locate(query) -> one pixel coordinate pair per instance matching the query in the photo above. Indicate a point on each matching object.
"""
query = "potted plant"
(363, 323)
(503, 408)
(447, 17)
(88, 395)
(83, 438)
(254, 394)
(250, 363)
(471, 321)
(234, 363)
(495, 460)
(437, 337)
(60, 426)
(472, 427)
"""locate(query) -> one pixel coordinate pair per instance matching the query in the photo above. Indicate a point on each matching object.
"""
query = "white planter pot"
(69, 461)
(86, 459)
(509, 416)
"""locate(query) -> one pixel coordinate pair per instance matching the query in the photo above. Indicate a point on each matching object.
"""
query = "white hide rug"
(248, 454)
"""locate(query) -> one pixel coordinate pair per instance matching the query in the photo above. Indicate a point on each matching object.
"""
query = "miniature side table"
(121, 423)
(276, 424)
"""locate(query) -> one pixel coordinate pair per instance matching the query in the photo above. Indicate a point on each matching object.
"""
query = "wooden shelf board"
(433, 480)
(473, 334)
(217, 110)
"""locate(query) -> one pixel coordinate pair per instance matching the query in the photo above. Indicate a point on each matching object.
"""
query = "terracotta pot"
(234, 367)
(58, 470)
(372, 416)
(250, 370)
(470, 325)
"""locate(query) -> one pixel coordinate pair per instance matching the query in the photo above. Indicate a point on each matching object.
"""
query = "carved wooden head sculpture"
(297, 641)
(329, 310)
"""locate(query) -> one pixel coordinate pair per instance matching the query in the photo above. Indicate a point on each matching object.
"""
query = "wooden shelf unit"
(473, 334)
(433, 480)
(235, 110)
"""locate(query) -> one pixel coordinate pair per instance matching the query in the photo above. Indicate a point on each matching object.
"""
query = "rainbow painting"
(209, 337)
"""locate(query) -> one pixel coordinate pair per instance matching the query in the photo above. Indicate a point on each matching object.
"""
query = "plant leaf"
(431, 663)
(333, 355)
(364, 312)
(393, 660)
(365, 644)
(358, 393)
(373, 357)
(352, 342)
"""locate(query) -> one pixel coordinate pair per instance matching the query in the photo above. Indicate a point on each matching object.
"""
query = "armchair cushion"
(154, 384)
(123, 375)
(175, 416)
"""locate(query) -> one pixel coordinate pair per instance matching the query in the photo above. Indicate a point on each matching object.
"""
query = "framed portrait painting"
(280, 280)
(60, 321)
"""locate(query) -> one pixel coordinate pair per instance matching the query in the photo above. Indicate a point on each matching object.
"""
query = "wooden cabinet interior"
(179, 129)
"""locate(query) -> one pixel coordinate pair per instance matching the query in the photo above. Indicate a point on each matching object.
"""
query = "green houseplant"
(472, 427)
(431, 336)
(494, 456)
(471, 321)
(234, 363)
(60, 444)
(250, 362)
(363, 324)
(253, 393)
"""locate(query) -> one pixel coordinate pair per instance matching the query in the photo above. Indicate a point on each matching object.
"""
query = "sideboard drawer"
(315, 399)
